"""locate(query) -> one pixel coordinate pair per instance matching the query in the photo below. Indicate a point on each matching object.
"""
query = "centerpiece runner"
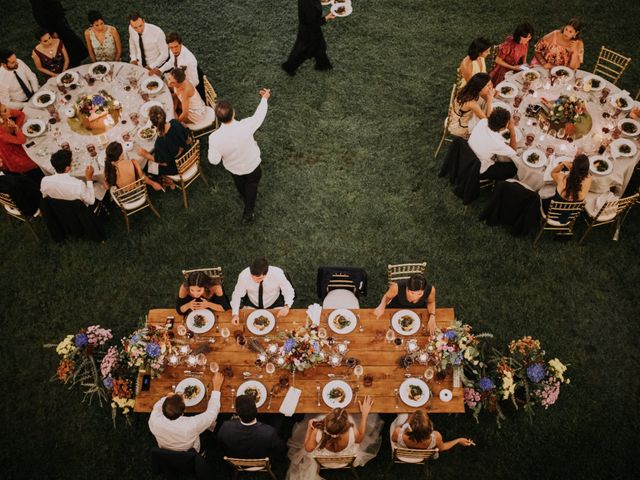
(94, 114)
(568, 113)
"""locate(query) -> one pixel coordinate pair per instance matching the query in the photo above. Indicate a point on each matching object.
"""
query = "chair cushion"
(593, 209)
(135, 204)
(186, 176)
(207, 122)
(340, 298)
(13, 211)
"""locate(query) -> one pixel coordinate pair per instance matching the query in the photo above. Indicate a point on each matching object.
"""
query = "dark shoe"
(323, 67)
(291, 73)
(248, 217)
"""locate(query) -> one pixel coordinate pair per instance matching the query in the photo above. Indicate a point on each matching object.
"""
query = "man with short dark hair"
(180, 56)
(245, 436)
(234, 145)
(488, 143)
(262, 286)
(147, 45)
(174, 431)
(17, 82)
(63, 186)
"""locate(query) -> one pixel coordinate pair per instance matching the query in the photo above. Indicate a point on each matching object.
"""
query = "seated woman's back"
(336, 445)
(126, 172)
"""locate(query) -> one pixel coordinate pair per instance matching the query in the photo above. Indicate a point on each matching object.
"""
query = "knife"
(395, 392)
(318, 393)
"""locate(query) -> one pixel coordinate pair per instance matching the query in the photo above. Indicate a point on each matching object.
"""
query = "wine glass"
(358, 370)
(201, 359)
(182, 330)
(390, 336)
(214, 367)
(428, 374)
(322, 333)
(270, 368)
(224, 332)
(192, 361)
(173, 360)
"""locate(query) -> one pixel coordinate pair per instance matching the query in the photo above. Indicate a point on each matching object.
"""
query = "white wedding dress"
(304, 467)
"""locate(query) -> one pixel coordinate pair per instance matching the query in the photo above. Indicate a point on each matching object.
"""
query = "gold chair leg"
(535, 241)
(444, 134)
(585, 233)
(32, 230)
(153, 209)
(185, 200)
(126, 222)
(204, 179)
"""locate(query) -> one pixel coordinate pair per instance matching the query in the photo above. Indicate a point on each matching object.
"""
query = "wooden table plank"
(379, 359)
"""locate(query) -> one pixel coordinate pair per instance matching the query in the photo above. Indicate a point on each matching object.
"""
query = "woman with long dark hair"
(121, 171)
(417, 431)
(474, 62)
(571, 186)
(466, 104)
(561, 47)
(199, 291)
(512, 53)
(189, 107)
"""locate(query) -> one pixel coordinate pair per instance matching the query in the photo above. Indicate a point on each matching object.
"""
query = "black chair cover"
(70, 218)
(463, 168)
(325, 274)
(23, 191)
(514, 206)
(175, 465)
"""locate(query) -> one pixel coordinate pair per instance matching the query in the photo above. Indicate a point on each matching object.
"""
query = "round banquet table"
(539, 179)
(118, 84)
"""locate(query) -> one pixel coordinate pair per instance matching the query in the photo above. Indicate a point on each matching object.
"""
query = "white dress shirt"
(185, 59)
(184, 432)
(11, 94)
(155, 46)
(233, 143)
(274, 282)
(63, 186)
(486, 143)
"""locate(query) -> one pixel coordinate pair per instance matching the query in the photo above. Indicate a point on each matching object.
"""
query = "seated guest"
(180, 56)
(121, 171)
(489, 145)
(561, 47)
(200, 291)
(103, 41)
(190, 109)
(411, 293)
(49, 55)
(24, 192)
(333, 434)
(172, 141)
(416, 431)
(474, 61)
(147, 45)
(17, 82)
(512, 53)
(467, 104)
(572, 180)
(175, 431)
(245, 436)
(14, 158)
(262, 286)
(63, 186)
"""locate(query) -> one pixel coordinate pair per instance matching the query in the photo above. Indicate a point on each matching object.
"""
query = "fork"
(318, 393)
(395, 392)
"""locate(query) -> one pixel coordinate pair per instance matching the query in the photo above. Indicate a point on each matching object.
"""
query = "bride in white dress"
(192, 112)
(337, 433)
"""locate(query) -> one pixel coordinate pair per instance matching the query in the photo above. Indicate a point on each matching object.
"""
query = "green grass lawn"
(349, 178)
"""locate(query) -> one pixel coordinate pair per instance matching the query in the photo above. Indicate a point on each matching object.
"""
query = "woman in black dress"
(199, 291)
(310, 41)
(411, 293)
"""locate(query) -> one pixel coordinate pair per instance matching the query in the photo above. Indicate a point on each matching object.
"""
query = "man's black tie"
(143, 59)
(175, 61)
(260, 294)
(27, 91)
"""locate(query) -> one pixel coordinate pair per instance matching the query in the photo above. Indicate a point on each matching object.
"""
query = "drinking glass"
(529, 139)
(549, 151)
(428, 374)
(214, 367)
(322, 333)
(224, 332)
(367, 380)
(182, 330)
(270, 368)
(358, 370)
(173, 360)
(390, 336)
(192, 361)
(201, 358)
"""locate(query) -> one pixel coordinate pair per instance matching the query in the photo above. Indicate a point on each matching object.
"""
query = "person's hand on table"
(365, 405)
(135, 62)
(265, 93)
(379, 311)
(329, 16)
(218, 380)
(154, 71)
(431, 325)
(88, 173)
(635, 113)
(283, 312)
(235, 319)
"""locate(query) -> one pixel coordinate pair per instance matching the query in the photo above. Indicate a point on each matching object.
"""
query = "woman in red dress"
(512, 52)
(13, 157)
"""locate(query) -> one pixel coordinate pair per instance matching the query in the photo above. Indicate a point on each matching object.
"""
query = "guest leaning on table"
(121, 171)
(173, 430)
(417, 431)
(487, 142)
(62, 186)
(201, 291)
(411, 293)
(14, 158)
(466, 104)
(512, 53)
(561, 47)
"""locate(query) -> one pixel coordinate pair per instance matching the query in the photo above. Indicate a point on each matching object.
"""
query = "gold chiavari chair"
(447, 120)
(188, 170)
(13, 211)
(410, 456)
(210, 100)
(560, 218)
(251, 465)
(211, 272)
(613, 212)
(402, 271)
(131, 199)
(337, 462)
(611, 64)
(491, 58)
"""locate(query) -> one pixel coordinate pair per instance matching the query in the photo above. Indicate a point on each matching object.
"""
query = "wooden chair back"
(402, 271)
(447, 120)
(251, 465)
(189, 158)
(131, 199)
(336, 462)
(211, 272)
(210, 94)
(412, 456)
(611, 65)
(560, 218)
(614, 211)
(13, 211)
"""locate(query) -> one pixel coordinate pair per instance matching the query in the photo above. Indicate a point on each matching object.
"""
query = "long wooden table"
(379, 358)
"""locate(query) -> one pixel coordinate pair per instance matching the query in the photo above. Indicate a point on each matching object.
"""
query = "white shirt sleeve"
(238, 293)
(133, 45)
(160, 40)
(205, 419)
(88, 195)
(31, 77)
(505, 150)
(287, 290)
(5, 98)
(259, 116)
(214, 155)
(156, 414)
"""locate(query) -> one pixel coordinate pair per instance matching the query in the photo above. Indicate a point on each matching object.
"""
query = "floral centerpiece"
(566, 110)
(95, 105)
(302, 348)
(146, 349)
(118, 381)
(458, 346)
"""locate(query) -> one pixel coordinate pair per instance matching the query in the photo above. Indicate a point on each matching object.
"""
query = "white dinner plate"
(446, 395)
(187, 382)
(326, 2)
(147, 133)
(261, 329)
(347, 317)
(152, 85)
(412, 326)
(589, 79)
(542, 158)
(629, 121)
(67, 78)
(30, 126)
(556, 70)
(613, 99)
(344, 13)
(506, 106)
(36, 99)
(144, 109)
(98, 66)
(414, 392)
(600, 158)
(257, 389)
(527, 76)
(209, 320)
(337, 386)
(511, 87)
(619, 143)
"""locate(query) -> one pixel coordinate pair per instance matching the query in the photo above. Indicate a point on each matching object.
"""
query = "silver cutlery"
(189, 372)
(248, 375)
(395, 392)
(334, 375)
(318, 393)
(271, 393)
(233, 399)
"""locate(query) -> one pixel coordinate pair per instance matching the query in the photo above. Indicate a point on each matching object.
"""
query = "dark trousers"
(295, 60)
(278, 303)
(247, 186)
(500, 171)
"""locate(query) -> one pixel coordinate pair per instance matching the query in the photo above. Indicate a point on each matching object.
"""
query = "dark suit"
(310, 41)
(23, 191)
(249, 441)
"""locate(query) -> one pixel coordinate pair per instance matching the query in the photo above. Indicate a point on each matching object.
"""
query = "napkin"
(290, 402)
(313, 312)
(153, 168)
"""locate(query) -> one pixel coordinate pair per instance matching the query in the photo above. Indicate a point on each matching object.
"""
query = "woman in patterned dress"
(103, 41)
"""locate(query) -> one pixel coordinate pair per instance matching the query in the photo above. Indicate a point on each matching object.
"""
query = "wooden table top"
(379, 359)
